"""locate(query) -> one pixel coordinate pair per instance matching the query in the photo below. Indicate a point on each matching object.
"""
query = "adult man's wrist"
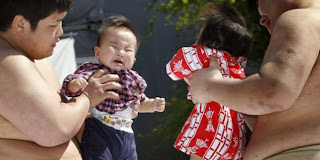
(87, 95)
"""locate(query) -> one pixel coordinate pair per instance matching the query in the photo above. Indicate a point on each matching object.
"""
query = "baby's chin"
(117, 68)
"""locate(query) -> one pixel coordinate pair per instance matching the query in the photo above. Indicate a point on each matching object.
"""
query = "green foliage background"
(184, 14)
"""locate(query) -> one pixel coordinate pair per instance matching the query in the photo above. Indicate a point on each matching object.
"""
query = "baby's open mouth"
(118, 61)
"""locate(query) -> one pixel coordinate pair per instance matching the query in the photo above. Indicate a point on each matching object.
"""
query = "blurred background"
(164, 26)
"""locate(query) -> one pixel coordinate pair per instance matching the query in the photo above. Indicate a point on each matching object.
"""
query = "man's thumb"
(214, 62)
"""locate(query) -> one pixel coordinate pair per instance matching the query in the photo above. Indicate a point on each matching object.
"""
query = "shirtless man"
(285, 93)
(35, 121)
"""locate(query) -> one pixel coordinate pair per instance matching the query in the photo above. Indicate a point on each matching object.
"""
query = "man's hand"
(201, 81)
(100, 87)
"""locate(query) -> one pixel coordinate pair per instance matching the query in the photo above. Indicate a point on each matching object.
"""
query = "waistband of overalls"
(116, 122)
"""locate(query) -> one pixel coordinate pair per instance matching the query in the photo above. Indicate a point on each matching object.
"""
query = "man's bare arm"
(282, 75)
(250, 120)
(35, 108)
(9, 131)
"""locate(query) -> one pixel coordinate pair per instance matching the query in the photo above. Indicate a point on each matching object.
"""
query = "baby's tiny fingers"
(162, 100)
(161, 108)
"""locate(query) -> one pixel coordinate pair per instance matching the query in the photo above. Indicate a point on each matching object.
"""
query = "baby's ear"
(97, 52)
(134, 60)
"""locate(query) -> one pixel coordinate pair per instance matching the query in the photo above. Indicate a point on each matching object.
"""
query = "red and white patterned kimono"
(212, 131)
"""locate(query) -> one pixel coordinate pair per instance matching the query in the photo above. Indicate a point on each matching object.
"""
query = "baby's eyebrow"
(113, 42)
(59, 20)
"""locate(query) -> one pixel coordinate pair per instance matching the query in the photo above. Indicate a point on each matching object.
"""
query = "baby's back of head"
(224, 29)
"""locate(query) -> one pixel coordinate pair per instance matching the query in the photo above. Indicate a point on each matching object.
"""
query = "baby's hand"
(76, 84)
(135, 112)
(158, 104)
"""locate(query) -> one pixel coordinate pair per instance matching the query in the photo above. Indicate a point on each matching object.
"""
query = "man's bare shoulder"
(27, 79)
(306, 19)
(299, 26)
(12, 58)
(14, 66)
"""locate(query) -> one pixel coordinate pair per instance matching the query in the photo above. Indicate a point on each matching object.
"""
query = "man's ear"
(97, 52)
(19, 24)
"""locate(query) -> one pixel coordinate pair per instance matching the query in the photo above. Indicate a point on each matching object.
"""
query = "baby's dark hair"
(31, 10)
(115, 21)
(224, 28)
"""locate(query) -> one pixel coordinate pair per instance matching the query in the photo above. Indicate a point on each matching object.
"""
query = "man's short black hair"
(32, 10)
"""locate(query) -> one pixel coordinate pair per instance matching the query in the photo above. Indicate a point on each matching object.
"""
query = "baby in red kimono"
(214, 131)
